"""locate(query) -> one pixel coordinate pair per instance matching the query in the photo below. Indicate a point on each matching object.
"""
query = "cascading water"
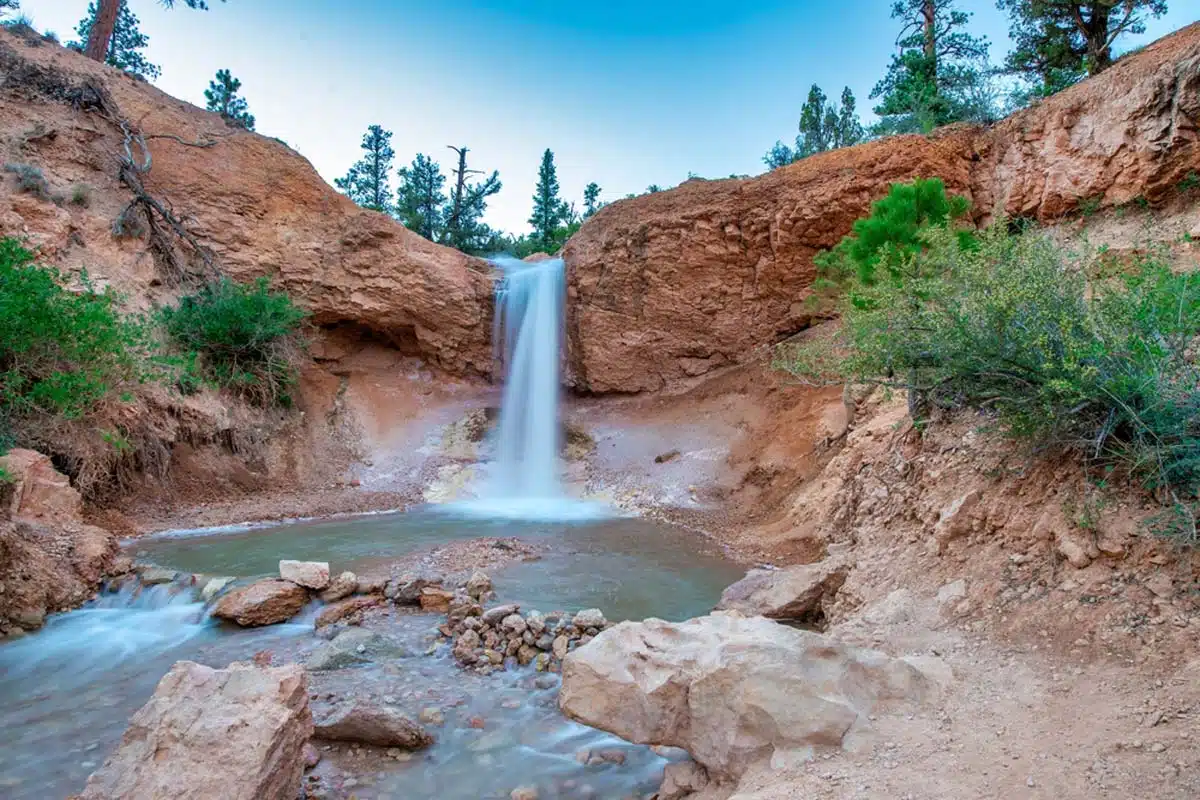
(524, 481)
(529, 323)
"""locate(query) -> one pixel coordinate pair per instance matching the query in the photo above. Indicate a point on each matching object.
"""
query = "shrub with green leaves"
(61, 352)
(1101, 364)
(246, 337)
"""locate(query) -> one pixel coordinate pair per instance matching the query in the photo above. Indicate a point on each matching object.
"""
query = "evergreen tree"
(367, 182)
(105, 20)
(465, 229)
(1058, 42)
(222, 97)
(823, 126)
(591, 199)
(8, 6)
(422, 201)
(124, 45)
(653, 188)
(549, 211)
(935, 78)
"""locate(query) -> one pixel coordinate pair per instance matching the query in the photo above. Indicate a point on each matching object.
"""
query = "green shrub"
(245, 336)
(61, 352)
(1013, 326)
(81, 195)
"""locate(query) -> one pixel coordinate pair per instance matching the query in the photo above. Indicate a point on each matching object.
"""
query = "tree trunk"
(452, 224)
(102, 30)
(1099, 55)
(929, 12)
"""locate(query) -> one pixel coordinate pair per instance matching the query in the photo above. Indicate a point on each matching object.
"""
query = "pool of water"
(68, 691)
(631, 568)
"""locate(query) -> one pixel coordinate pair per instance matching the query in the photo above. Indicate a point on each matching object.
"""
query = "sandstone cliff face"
(257, 205)
(674, 284)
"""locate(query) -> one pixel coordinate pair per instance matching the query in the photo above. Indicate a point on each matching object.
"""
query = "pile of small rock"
(500, 637)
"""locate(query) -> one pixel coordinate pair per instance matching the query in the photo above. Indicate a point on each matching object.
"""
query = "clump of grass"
(1189, 183)
(30, 179)
(1089, 206)
(81, 195)
(245, 337)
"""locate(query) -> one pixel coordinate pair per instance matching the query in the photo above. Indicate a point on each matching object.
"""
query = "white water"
(524, 480)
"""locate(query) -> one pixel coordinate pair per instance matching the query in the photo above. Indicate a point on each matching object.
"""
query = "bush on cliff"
(245, 336)
(1064, 354)
(61, 352)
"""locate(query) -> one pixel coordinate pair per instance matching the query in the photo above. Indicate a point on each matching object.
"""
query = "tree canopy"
(223, 98)
(367, 182)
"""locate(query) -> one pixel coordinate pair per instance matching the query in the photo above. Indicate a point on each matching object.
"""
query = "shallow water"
(68, 691)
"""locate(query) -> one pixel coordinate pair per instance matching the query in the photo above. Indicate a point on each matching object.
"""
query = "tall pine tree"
(468, 201)
(421, 197)
(1057, 42)
(367, 183)
(105, 21)
(549, 211)
(935, 77)
(124, 45)
(222, 97)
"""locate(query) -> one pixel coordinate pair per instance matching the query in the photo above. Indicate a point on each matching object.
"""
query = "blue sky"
(627, 93)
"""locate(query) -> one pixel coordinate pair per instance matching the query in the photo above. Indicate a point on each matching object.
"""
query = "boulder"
(352, 647)
(264, 602)
(383, 726)
(350, 608)
(340, 587)
(406, 589)
(214, 587)
(493, 616)
(792, 594)
(236, 733)
(39, 491)
(309, 574)
(478, 585)
(153, 576)
(729, 689)
(435, 599)
(589, 618)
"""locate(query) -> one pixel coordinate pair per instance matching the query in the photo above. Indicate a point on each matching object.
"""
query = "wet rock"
(536, 622)
(155, 576)
(493, 616)
(526, 654)
(464, 647)
(406, 590)
(478, 585)
(352, 647)
(370, 585)
(349, 609)
(463, 607)
(309, 574)
(357, 721)
(265, 602)
(544, 642)
(214, 588)
(524, 793)
(589, 618)
(432, 716)
(340, 587)
(560, 645)
(236, 733)
(729, 688)
(799, 593)
(513, 624)
(435, 599)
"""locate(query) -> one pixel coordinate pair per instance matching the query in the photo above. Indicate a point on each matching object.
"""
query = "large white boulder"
(309, 574)
(236, 733)
(730, 689)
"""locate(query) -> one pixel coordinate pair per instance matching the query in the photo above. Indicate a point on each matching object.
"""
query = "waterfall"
(528, 335)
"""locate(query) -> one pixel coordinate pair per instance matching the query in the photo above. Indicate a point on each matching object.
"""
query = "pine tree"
(104, 22)
(124, 44)
(1058, 42)
(549, 211)
(222, 97)
(421, 199)
(367, 182)
(7, 6)
(465, 230)
(823, 126)
(591, 199)
(935, 77)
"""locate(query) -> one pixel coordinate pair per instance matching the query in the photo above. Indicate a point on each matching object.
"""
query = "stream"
(67, 692)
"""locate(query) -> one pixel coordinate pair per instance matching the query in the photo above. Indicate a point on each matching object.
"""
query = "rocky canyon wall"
(671, 285)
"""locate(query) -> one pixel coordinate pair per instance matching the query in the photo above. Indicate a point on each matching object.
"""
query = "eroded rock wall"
(671, 285)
